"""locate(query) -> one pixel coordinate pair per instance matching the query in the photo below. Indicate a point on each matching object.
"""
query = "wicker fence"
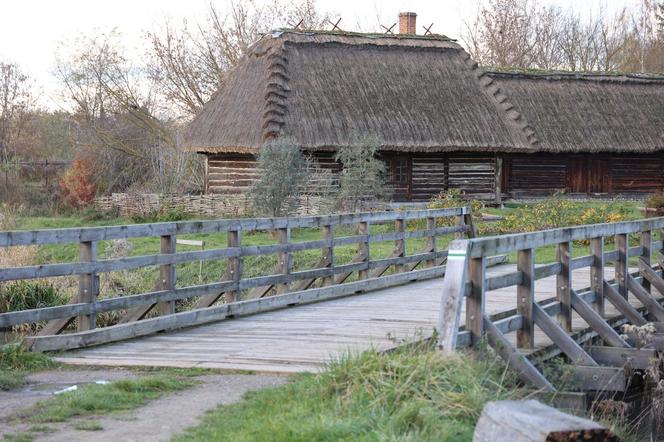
(211, 205)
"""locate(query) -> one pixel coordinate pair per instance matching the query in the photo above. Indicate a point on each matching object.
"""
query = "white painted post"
(454, 285)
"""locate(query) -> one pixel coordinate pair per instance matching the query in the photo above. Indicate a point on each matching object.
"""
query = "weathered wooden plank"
(622, 305)
(559, 337)
(598, 323)
(525, 369)
(532, 421)
(636, 358)
(653, 307)
(595, 378)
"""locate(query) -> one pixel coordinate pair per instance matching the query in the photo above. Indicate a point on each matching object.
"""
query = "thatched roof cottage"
(441, 120)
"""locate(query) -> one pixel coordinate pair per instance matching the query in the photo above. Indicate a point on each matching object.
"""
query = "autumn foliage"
(76, 186)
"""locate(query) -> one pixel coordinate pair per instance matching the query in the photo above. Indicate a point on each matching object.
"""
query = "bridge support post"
(564, 285)
(284, 266)
(399, 244)
(525, 292)
(597, 274)
(167, 275)
(476, 300)
(621, 264)
(431, 242)
(645, 241)
(363, 248)
(88, 285)
(328, 253)
(234, 269)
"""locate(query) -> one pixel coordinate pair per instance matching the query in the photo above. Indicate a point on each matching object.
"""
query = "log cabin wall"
(229, 173)
(588, 174)
(472, 173)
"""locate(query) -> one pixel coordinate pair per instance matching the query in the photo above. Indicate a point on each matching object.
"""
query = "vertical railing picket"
(167, 277)
(525, 292)
(234, 271)
(475, 300)
(645, 241)
(621, 264)
(328, 253)
(284, 237)
(431, 241)
(564, 285)
(88, 285)
(400, 244)
(597, 273)
(363, 248)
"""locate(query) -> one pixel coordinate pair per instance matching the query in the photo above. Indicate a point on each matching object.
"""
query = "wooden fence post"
(363, 248)
(645, 241)
(525, 292)
(431, 241)
(470, 224)
(234, 270)
(88, 285)
(621, 264)
(476, 300)
(167, 275)
(563, 285)
(284, 236)
(399, 245)
(328, 253)
(454, 285)
(597, 273)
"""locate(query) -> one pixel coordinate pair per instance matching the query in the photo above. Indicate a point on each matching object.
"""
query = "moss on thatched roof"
(589, 112)
(325, 90)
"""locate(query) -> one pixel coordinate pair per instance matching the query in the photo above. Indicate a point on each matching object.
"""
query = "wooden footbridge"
(296, 319)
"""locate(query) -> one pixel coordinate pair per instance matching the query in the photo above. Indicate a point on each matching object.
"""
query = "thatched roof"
(589, 112)
(327, 90)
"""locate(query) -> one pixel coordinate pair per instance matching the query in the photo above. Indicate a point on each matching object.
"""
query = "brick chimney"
(407, 22)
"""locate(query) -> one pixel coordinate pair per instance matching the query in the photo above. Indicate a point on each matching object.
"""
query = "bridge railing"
(242, 293)
(467, 281)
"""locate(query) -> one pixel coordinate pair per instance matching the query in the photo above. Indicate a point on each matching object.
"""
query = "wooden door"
(577, 174)
(401, 177)
(599, 179)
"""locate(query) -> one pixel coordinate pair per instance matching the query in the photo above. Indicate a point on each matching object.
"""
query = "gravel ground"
(159, 420)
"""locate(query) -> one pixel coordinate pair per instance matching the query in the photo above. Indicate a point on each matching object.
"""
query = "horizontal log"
(532, 421)
(636, 358)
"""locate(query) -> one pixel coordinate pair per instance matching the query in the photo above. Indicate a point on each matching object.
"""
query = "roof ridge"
(276, 93)
(582, 76)
(515, 118)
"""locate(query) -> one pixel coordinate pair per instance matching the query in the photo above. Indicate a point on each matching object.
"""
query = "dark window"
(400, 170)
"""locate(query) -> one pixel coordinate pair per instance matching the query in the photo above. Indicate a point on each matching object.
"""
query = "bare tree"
(119, 117)
(190, 61)
(16, 101)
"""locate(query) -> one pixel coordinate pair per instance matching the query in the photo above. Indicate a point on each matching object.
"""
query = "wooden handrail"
(283, 279)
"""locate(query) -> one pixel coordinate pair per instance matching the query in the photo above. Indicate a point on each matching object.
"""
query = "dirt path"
(159, 420)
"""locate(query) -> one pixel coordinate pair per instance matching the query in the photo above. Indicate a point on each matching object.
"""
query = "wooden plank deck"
(303, 338)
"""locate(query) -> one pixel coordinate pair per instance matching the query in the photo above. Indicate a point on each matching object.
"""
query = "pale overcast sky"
(30, 30)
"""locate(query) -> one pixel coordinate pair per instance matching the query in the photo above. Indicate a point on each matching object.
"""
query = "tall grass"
(411, 394)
